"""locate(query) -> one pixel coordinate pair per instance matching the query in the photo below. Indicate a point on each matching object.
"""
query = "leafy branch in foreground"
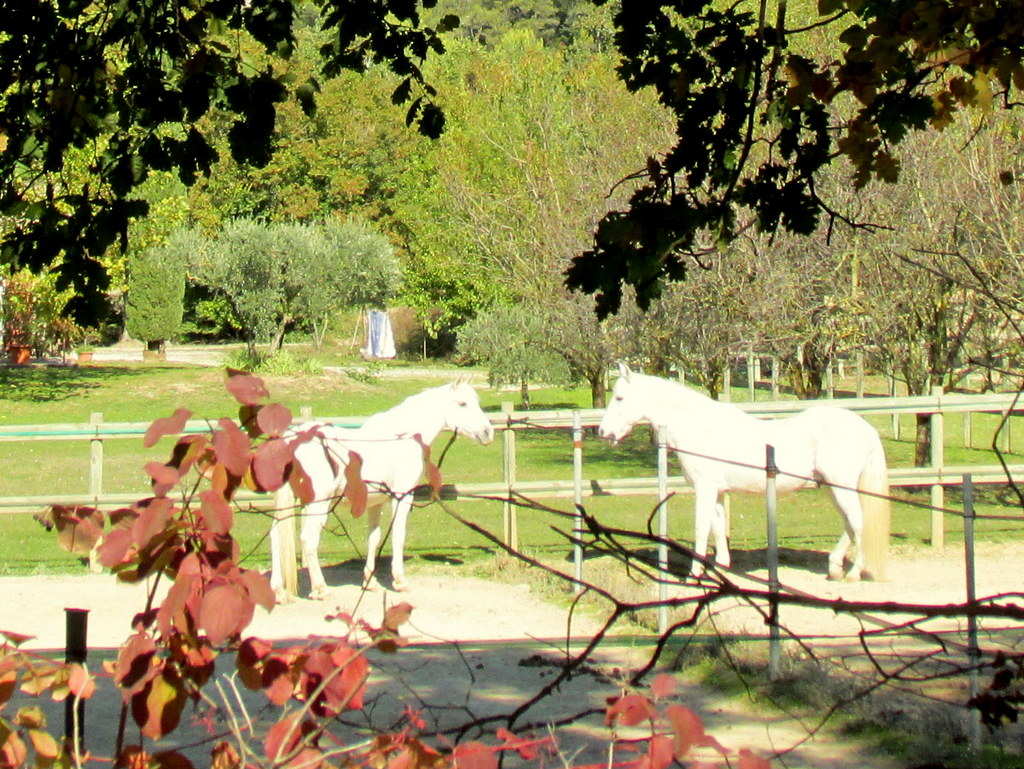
(182, 533)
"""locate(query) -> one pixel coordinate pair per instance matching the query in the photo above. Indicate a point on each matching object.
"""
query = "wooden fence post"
(96, 458)
(938, 493)
(510, 524)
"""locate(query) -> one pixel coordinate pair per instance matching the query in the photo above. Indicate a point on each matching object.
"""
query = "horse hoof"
(282, 596)
(854, 575)
(319, 593)
(370, 583)
(835, 573)
(399, 584)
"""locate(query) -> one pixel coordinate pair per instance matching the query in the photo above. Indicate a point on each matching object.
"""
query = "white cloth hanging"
(380, 339)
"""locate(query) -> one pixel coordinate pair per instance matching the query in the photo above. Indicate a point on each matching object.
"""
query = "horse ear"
(624, 371)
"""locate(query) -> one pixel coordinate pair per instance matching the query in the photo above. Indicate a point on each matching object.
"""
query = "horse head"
(625, 408)
(461, 411)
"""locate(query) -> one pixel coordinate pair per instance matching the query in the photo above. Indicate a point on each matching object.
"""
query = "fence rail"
(510, 422)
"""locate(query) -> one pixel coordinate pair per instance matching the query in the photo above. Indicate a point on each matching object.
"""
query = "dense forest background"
(472, 232)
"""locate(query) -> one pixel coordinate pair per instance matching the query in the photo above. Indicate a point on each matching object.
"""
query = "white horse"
(390, 446)
(722, 448)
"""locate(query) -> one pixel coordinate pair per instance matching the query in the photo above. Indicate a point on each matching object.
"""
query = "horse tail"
(284, 537)
(874, 501)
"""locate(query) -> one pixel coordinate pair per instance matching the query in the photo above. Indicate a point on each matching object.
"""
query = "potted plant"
(86, 345)
(19, 316)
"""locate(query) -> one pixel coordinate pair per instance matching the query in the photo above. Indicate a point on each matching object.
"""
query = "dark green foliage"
(758, 122)
(96, 95)
(156, 290)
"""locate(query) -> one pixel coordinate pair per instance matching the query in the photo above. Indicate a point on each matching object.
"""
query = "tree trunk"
(524, 393)
(598, 393)
(923, 444)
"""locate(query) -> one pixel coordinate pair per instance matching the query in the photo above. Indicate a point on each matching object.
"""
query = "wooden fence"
(510, 422)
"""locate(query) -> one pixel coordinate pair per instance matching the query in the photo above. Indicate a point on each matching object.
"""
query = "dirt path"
(481, 647)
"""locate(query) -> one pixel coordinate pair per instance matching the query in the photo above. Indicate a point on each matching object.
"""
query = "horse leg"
(848, 502)
(372, 543)
(399, 522)
(314, 518)
(276, 577)
(721, 535)
(705, 499)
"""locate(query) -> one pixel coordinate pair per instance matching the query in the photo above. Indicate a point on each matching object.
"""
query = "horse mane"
(669, 392)
(411, 404)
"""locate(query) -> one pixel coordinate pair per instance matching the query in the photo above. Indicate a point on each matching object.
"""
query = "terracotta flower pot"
(85, 356)
(19, 354)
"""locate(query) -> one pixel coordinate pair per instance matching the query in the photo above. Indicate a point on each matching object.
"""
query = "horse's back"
(842, 441)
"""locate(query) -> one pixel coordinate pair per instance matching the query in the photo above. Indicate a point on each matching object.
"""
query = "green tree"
(766, 97)
(245, 264)
(129, 86)
(356, 267)
(156, 290)
(493, 210)
(511, 341)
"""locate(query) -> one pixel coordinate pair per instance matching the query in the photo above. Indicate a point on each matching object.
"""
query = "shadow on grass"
(43, 384)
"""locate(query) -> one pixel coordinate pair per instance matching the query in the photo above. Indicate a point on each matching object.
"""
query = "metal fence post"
(662, 529)
(938, 493)
(973, 653)
(510, 526)
(577, 496)
(96, 458)
(775, 643)
(76, 648)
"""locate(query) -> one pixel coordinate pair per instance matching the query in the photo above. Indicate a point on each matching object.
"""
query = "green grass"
(138, 392)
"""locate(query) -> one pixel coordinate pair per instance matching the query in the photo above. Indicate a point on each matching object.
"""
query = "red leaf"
(432, 471)
(157, 710)
(664, 686)
(79, 528)
(749, 761)
(246, 388)
(134, 666)
(224, 756)
(271, 462)
(224, 612)
(249, 661)
(258, 588)
(216, 512)
(171, 425)
(302, 486)
(232, 448)
(687, 729)
(164, 477)
(354, 671)
(13, 751)
(629, 710)
(283, 737)
(277, 681)
(396, 616)
(152, 520)
(173, 609)
(187, 451)
(474, 755)
(170, 759)
(274, 419)
(80, 682)
(115, 548)
(659, 753)
(355, 487)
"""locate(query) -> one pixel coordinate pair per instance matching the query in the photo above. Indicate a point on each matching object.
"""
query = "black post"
(75, 650)
(771, 503)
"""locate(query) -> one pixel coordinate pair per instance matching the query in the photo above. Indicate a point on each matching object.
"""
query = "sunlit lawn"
(141, 393)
